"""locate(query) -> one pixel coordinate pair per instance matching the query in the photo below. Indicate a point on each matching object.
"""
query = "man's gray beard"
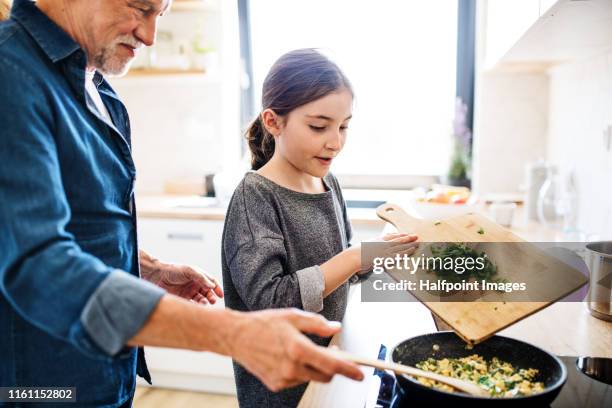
(109, 65)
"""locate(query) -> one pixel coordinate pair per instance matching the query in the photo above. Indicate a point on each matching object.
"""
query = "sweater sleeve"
(254, 247)
(347, 223)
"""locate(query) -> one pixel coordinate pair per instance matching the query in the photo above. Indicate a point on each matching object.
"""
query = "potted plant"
(459, 171)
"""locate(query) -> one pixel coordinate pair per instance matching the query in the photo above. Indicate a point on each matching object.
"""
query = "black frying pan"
(552, 371)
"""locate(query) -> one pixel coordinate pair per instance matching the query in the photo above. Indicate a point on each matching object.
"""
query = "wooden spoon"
(456, 383)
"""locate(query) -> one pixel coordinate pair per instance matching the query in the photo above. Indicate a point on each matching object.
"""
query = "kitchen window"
(401, 57)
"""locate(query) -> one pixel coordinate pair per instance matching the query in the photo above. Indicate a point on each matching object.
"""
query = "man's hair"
(5, 8)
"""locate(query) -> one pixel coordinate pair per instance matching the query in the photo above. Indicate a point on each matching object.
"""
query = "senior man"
(4, 9)
(72, 306)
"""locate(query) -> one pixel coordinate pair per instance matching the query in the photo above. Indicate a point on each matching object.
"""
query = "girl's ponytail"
(261, 143)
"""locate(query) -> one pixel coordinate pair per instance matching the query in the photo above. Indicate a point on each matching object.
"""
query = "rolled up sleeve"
(118, 308)
(312, 286)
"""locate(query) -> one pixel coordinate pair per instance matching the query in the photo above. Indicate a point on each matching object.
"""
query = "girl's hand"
(396, 243)
(353, 261)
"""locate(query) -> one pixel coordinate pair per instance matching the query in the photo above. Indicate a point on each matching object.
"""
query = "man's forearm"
(178, 323)
(268, 343)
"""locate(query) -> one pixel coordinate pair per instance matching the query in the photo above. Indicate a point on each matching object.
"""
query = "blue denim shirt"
(70, 296)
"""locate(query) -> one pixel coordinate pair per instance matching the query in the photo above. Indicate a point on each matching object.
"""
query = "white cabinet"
(533, 35)
(194, 243)
(183, 241)
(506, 22)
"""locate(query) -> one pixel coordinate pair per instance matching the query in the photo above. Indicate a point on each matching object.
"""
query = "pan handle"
(396, 215)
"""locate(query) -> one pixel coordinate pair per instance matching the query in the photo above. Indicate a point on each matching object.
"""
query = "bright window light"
(400, 56)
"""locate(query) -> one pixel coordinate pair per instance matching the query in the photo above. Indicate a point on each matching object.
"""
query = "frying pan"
(551, 371)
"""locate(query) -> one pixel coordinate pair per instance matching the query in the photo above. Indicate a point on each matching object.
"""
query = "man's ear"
(272, 122)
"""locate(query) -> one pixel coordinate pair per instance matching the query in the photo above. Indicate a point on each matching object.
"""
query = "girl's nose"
(334, 142)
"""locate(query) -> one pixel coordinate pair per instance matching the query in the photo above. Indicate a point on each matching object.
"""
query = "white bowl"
(440, 211)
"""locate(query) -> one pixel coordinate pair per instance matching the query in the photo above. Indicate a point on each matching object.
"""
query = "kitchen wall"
(175, 130)
(510, 127)
(559, 115)
(511, 103)
(579, 112)
(186, 125)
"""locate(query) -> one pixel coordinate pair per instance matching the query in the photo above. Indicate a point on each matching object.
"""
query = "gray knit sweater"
(274, 240)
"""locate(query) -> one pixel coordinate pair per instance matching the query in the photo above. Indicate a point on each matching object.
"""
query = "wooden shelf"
(150, 72)
(194, 5)
(176, 76)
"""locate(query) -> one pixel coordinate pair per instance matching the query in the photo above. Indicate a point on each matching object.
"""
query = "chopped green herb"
(480, 231)
(454, 250)
(437, 223)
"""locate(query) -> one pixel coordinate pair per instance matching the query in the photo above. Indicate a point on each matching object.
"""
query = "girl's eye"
(344, 128)
(317, 128)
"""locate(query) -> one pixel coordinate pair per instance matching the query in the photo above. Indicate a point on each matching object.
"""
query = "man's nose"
(147, 31)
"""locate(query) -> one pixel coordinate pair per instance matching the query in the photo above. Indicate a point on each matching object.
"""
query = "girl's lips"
(325, 161)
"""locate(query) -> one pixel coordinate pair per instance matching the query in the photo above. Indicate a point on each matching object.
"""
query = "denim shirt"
(70, 293)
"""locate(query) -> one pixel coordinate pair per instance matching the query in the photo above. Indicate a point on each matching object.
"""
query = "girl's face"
(312, 135)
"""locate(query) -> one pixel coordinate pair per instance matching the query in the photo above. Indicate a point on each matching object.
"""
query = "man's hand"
(270, 345)
(188, 282)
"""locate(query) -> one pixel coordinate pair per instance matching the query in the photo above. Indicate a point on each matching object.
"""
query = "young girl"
(286, 236)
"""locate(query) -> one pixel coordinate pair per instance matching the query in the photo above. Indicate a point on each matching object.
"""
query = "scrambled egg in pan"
(499, 378)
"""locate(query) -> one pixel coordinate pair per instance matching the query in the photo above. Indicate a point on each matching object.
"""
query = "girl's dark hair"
(296, 78)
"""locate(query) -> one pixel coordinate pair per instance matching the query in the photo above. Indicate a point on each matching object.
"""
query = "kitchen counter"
(562, 328)
(179, 206)
(203, 208)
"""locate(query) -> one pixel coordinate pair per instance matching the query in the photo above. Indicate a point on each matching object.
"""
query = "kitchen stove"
(580, 390)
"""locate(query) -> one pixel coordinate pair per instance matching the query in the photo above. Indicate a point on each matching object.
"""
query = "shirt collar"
(95, 77)
(54, 41)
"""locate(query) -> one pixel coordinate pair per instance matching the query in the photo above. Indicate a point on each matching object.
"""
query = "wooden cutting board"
(479, 320)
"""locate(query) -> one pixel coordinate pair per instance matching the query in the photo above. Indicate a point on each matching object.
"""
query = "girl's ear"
(272, 122)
